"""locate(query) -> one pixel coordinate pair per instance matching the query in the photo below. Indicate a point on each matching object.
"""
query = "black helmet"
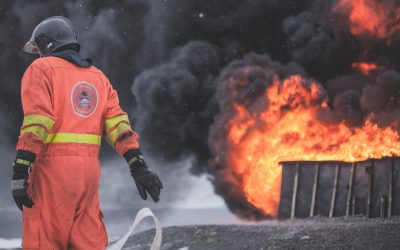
(51, 34)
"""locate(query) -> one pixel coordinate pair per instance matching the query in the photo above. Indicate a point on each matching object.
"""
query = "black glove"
(19, 188)
(145, 179)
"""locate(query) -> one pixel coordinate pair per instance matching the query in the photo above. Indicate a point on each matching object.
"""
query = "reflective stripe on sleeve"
(110, 123)
(30, 120)
(74, 138)
(117, 131)
(39, 131)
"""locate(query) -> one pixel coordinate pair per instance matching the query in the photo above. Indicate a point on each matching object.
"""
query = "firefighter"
(68, 104)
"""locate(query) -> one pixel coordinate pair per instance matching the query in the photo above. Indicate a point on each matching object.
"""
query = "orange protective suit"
(67, 109)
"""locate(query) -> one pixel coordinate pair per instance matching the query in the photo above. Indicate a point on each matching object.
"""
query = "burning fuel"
(285, 122)
(365, 68)
(288, 118)
(371, 18)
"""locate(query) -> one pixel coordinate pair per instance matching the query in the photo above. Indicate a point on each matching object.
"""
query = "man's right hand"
(19, 187)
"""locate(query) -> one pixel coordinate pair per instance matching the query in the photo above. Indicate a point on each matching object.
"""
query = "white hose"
(143, 213)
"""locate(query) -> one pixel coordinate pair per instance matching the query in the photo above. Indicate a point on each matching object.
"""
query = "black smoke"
(174, 109)
(194, 40)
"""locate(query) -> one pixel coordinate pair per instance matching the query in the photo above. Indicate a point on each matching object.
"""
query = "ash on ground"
(316, 233)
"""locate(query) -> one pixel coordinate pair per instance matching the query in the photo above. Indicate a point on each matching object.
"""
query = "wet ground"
(317, 233)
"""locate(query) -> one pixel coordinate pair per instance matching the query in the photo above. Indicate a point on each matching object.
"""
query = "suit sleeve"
(118, 130)
(39, 117)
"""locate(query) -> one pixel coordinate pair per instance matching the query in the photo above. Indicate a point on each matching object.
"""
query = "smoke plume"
(174, 108)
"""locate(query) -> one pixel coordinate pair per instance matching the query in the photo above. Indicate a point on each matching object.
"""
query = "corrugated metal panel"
(333, 188)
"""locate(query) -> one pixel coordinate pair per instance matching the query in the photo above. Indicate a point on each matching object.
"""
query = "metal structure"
(335, 188)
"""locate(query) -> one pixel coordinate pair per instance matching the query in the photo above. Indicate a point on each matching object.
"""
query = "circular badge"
(84, 99)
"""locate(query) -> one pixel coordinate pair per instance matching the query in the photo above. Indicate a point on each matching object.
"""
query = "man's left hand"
(146, 181)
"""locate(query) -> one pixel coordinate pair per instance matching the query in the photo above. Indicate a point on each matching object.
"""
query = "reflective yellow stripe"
(39, 131)
(115, 120)
(113, 136)
(23, 162)
(38, 119)
(74, 138)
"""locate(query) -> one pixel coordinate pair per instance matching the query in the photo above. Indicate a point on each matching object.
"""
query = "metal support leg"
(389, 214)
(333, 200)
(353, 206)
(383, 207)
(314, 191)
(350, 189)
(294, 195)
(370, 172)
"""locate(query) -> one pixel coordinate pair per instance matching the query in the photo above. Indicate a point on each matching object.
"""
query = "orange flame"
(370, 17)
(365, 68)
(287, 130)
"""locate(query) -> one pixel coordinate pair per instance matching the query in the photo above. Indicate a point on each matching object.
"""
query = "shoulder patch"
(84, 99)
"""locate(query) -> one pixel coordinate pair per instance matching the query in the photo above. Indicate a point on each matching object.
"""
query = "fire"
(373, 18)
(287, 130)
(365, 68)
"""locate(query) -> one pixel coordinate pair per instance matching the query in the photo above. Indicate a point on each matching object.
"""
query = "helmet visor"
(31, 48)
